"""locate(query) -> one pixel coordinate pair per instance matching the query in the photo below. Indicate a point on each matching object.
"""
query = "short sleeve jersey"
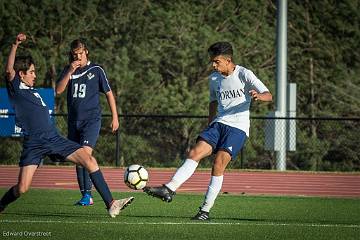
(233, 97)
(83, 92)
(31, 113)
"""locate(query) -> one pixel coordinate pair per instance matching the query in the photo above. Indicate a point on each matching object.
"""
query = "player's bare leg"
(183, 173)
(222, 159)
(114, 207)
(24, 181)
(26, 175)
(84, 159)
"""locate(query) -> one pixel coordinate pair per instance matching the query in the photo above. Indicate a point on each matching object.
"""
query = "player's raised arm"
(10, 72)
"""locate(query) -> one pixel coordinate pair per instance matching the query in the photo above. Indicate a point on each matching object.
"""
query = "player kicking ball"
(40, 135)
(231, 89)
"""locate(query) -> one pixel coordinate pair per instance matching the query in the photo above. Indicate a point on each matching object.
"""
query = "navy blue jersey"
(83, 92)
(31, 112)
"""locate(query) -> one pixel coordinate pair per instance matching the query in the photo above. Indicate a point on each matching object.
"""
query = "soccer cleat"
(201, 216)
(86, 200)
(118, 205)
(163, 192)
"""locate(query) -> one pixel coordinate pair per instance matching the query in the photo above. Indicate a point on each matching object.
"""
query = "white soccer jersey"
(233, 97)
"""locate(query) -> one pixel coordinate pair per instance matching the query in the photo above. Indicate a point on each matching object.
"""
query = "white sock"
(212, 192)
(182, 174)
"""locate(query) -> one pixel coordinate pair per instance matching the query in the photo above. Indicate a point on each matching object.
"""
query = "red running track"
(235, 182)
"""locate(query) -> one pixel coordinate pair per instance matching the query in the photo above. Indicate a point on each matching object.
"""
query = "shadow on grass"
(62, 215)
(165, 218)
(171, 218)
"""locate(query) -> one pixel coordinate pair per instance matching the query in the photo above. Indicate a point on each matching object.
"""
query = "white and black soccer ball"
(136, 177)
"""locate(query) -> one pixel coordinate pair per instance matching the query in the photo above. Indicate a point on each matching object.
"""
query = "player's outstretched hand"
(21, 37)
(114, 125)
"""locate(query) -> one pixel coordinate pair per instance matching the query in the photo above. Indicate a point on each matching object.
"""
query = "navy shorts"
(84, 132)
(37, 146)
(224, 137)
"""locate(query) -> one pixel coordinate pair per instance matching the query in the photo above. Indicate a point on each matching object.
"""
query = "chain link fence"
(321, 144)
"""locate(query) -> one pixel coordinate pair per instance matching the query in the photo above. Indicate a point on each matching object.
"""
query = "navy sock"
(80, 178)
(8, 198)
(102, 187)
(87, 181)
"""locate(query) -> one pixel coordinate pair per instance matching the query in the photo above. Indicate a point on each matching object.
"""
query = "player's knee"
(89, 162)
(201, 150)
(92, 161)
(195, 155)
(216, 170)
(83, 157)
(219, 167)
(191, 154)
(21, 189)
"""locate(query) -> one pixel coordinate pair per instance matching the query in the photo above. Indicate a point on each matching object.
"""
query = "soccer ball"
(136, 177)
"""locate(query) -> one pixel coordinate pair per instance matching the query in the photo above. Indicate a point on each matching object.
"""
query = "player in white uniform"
(231, 89)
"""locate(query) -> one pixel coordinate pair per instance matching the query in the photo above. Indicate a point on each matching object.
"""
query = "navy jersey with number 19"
(83, 92)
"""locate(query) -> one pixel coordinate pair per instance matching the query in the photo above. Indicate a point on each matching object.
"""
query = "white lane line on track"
(65, 183)
(187, 223)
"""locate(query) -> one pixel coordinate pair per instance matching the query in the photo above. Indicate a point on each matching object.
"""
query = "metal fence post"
(242, 157)
(117, 149)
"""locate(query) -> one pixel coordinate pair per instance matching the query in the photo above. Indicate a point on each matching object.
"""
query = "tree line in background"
(154, 53)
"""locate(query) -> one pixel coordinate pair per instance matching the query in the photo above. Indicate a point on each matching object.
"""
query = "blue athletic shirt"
(31, 112)
(83, 92)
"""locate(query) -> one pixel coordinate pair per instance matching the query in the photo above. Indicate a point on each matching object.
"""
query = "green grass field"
(50, 214)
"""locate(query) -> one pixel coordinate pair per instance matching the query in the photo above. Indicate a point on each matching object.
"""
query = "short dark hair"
(23, 63)
(220, 48)
(77, 43)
